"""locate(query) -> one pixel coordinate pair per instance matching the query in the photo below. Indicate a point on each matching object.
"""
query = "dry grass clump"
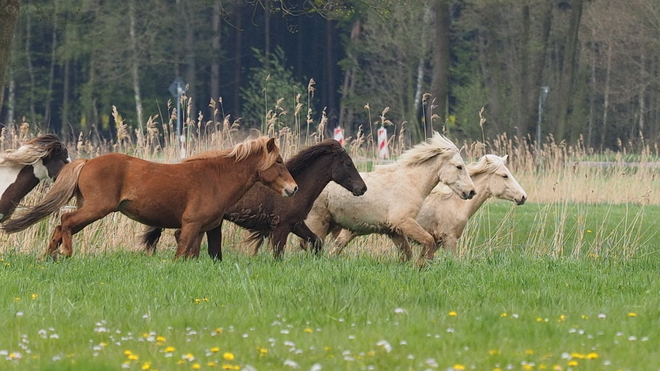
(554, 174)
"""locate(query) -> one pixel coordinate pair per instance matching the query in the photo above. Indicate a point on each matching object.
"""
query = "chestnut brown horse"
(192, 195)
(23, 168)
(265, 214)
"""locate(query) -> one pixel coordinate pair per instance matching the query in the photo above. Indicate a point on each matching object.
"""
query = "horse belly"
(162, 217)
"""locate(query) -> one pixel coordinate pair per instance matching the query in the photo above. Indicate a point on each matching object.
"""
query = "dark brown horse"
(23, 168)
(192, 195)
(266, 215)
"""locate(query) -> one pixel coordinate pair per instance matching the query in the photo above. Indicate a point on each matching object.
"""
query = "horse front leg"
(402, 243)
(410, 228)
(189, 241)
(343, 237)
(214, 240)
(278, 239)
(302, 230)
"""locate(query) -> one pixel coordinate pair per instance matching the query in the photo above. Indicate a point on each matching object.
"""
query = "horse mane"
(424, 151)
(486, 164)
(298, 163)
(240, 152)
(32, 151)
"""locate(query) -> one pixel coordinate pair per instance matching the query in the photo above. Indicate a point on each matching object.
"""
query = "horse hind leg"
(54, 244)
(72, 223)
(343, 237)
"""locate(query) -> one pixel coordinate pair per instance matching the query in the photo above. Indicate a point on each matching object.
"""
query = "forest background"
(68, 62)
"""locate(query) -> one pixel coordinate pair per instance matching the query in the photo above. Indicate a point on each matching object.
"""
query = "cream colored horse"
(394, 197)
(444, 215)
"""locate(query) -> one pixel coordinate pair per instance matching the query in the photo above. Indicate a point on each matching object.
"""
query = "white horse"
(23, 168)
(444, 215)
(394, 197)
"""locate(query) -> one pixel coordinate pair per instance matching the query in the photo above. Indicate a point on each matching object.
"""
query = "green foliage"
(269, 83)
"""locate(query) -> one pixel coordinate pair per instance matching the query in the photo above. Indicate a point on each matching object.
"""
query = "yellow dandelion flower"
(146, 366)
(262, 351)
(572, 363)
(577, 355)
(308, 330)
(127, 352)
(543, 367)
(584, 316)
(215, 349)
(592, 355)
(227, 366)
(327, 349)
(562, 318)
(133, 357)
(211, 364)
(34, 296)
(228, 356)
(459, 367)
(218, 330)
(539, 319)
(205, 299)
(589, 231)
(527, 367)
(503, 314)
(497, 369)
(237, 367)
(557, 368)
(453, 314)
(169, 349)
(180, 362)
(196, 301)
(160, 339)
(632, 314)
(529, 352)
(17, 299)
(196, 366)
(493, 352)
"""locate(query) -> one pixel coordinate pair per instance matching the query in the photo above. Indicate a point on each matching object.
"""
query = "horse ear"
(505, 158)
(270, 146)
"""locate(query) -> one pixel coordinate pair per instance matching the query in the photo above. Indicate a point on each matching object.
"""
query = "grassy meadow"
(568, 281)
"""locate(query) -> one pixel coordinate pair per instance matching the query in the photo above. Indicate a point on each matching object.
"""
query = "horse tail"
(60, 193)
(254, 240)
(150, 238)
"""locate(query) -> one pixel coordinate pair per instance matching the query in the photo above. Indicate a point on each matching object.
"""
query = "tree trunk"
(348, 90)
(238, 58)
(606, 97)
(525, 90)
(215, 61)
(11, 98)
(30, 69)
(135, 64)
(569, 71)
(539, 63)
(267, 34)
(441, 58)
(51, 74)
(8, 17)
(330, 73)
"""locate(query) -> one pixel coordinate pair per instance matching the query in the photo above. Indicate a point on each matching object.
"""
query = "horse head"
(452, 170)
(344, 171)
(56, 157)
(274, 173)
(502, 184)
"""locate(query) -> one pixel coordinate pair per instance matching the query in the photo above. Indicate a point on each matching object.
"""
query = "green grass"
(506, 304)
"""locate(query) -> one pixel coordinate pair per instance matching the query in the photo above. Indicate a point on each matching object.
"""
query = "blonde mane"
(30, 152)
(241, 151)
(434, 146)
(486, 164)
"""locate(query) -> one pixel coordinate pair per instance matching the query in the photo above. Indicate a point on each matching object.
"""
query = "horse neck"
(312, 180)
(243, 174)
(483, 193)
(425, 176)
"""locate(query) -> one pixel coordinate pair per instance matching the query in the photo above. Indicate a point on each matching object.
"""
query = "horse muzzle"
(468, 195)
(290, 192)
(359, 191)
(521, 201)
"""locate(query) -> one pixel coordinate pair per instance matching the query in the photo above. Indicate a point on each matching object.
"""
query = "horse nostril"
(295, 190)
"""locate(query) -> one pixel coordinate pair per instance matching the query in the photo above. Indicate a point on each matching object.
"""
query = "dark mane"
(50, 143)
(298, 163)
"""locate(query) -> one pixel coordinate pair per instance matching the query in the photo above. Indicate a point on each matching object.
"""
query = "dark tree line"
(429, 63)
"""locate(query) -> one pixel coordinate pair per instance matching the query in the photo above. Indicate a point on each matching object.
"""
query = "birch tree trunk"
(215, 62)
(441, 58)
(8, 17)
(135, 64)
(606, 96)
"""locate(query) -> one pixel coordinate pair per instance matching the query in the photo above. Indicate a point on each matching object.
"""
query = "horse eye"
(459, 167)
(505, 176)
